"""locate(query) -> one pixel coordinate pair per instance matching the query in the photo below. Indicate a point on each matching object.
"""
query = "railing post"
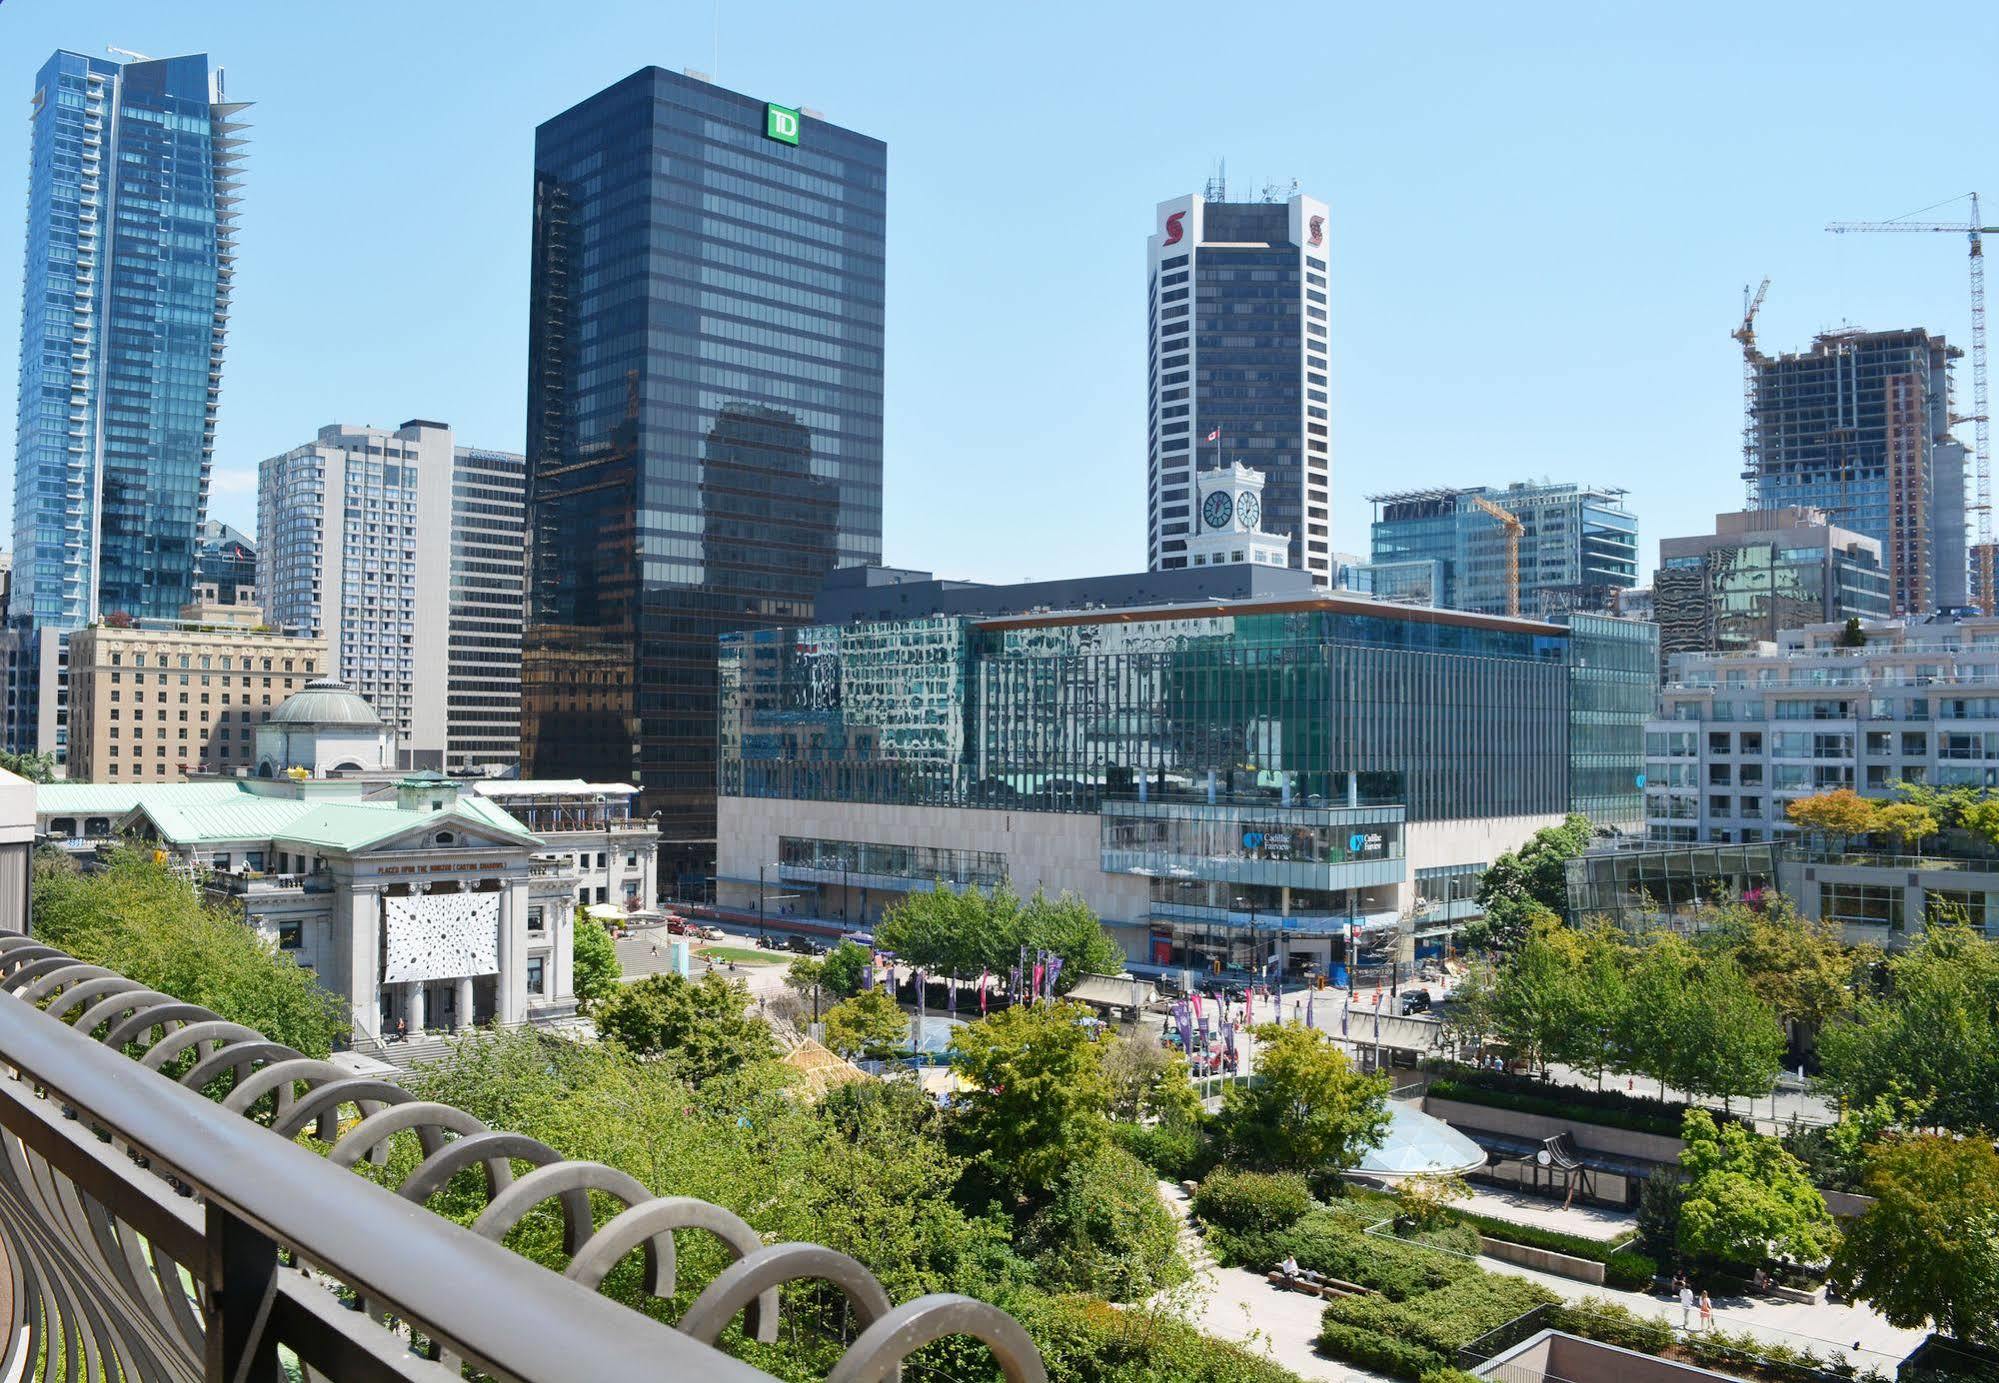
(241, 1280)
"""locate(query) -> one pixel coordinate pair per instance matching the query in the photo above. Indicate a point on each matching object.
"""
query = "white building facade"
(352, 547)
(614, 854)
(1237, 325)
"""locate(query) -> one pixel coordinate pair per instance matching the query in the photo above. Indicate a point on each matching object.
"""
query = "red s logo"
(1318, 230)
(1173, 227)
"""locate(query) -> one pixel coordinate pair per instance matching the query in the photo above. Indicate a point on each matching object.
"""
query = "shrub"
(1369, 1349)
(1598, 1318)
(1611, 1108)
(1082, 1338)
(1105, 1231)
(1177, 1151)
(1450, 1375)
(1328, 1242)
(1252, 1202)
(1630, 1270)
(1659, 1201)
(1451, 1236)
(1575, 1245)
(1449, 1318)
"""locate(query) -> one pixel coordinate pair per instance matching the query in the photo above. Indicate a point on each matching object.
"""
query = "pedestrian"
(1707, 1312)
(1686, 1305)
(402, 1030)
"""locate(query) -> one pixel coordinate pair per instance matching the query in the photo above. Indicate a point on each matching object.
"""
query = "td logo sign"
(780, 123)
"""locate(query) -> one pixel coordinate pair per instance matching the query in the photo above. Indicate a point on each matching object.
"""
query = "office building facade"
(1760, 572)
(403, 551)
(1578, 548)
(704, 418)
(160, 701)
(1237, 320)
(1204, 773)
(225, 566)
(1859, 427)
(132, 192)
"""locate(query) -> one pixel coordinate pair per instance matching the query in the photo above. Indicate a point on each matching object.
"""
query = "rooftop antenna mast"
(1218, 186)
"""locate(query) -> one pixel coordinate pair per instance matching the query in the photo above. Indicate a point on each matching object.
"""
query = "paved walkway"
(1590, 1221)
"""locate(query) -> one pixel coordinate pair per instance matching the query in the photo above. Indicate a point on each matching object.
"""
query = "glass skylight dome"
(1417, 1143)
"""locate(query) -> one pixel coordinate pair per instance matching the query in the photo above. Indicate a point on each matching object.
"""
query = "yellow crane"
(1514, 528)
(1984, 555)
(1751, 358)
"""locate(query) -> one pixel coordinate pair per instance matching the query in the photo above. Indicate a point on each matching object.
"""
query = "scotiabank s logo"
(1173, 227)
(1317, 230)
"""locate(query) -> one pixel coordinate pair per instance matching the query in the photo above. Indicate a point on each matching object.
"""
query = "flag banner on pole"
(1054, 973)
(951, 994)
(1214, 436)
(1310, 1021)
(983, 976)
(1344, 1010)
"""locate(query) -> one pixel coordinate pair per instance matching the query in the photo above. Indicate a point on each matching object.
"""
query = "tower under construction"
(1859, 426)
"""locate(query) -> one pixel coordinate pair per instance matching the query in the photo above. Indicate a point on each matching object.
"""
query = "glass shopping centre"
(1229, 782)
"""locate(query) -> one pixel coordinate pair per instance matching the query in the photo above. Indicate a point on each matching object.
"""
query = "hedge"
(1631, 1115)
(1370, 1349)
(1615, 1324)
(1450, 1375)
(1450, 1318)
(1176, 1151)
(1326, 1242)
(1083, 1338)
(1622, 1268)
(1252, 1202)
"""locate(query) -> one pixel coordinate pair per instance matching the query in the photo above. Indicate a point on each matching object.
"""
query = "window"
(1915, 744)
(291, 935)
(536, 920)
(1941, 904)
(631, 859)
(535, 975)
(1864, 905)
(1717, 742)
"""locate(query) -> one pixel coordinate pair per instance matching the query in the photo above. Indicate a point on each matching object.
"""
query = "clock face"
(1217, 508)
(1248, 509)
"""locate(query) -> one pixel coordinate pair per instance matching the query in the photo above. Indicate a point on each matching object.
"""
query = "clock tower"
(1228, 521)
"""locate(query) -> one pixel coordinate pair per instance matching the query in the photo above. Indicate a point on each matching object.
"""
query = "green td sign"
(780, 123)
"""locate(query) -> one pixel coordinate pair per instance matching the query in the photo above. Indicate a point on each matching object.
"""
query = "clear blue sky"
(1543, 217)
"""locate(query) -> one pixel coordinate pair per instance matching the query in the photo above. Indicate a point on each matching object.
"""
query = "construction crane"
(1751, 358)
(1511, 522)
(1983, 554)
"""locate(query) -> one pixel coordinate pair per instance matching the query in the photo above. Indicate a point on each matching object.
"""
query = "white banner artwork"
(441, 936)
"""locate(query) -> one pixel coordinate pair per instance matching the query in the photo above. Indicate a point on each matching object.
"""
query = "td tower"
(1236, 317)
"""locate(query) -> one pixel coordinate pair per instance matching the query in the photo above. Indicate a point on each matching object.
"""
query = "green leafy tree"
(1851, 635)
(1039, 1102)
(1534, 998)
(36, 768)
(135, 916)
(1472, 1018)
(697, 1029)
(1908, 823)
(1105, 1230)
(1149, 1081)
(1747, 1199)
(1799, 966)
(870, 1024)
(1931, 1036)
(841, 969)
(1731, 1043)
(598, 972)
(1649, 1037)
(1926, 1253)
(946, 932)
(1309, 1111)
(1527, 885)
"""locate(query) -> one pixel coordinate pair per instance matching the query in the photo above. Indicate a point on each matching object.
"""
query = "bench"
(1317, 1285)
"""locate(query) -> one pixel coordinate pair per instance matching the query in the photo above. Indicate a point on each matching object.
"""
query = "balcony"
(158, 1234)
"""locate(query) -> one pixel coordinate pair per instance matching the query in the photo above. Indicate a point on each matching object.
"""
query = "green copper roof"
(116, 799)
(199, 814)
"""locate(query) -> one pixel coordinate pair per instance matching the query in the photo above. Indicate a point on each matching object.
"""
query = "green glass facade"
(1308, 710)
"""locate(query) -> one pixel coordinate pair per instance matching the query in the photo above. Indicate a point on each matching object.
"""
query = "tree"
(946, 932)
(1841, 813)
(869, 1024)
(1310, 1112)
(134, 915)
(842, 968)
(1524, 885)
(697, 1029)
(1148, 1081)
(1533, 999)
(1747, 1199)
(1851, 635)
(36, 768)
(1038, 1102)
(1932, 1036)
(1927, 1251)
(1731, 1042)
(1473, 1014)
(1908, 823)
(1799, 967)
(598, 973)
(1648, 1035)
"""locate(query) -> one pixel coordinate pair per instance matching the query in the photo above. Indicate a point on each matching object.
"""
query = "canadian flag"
(1214, 436)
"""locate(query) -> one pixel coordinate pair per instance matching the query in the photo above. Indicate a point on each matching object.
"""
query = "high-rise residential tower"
(1859, 426)
(1236, 319)
(704, 418)
(404, 552)
(1578, 547)
(132, 191)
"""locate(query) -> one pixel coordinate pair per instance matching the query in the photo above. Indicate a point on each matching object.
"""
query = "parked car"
(1416, 1001)
(803, 946)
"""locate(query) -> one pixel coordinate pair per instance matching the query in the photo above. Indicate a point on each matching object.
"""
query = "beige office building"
(157, 702)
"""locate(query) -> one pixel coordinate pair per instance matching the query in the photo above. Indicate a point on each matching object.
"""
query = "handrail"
(106, 1248)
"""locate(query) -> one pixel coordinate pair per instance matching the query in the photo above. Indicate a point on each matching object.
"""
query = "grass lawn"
(742, 955)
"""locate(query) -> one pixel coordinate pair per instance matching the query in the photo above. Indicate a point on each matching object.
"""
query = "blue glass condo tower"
(131, 201)
(704, 420)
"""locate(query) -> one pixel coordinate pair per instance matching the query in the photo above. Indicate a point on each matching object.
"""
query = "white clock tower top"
(1228, 521)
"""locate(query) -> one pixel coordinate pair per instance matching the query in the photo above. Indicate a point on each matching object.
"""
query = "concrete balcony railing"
(154, 1233)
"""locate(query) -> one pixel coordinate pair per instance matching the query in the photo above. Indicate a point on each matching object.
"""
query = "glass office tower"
(132, 189)
(704, 417)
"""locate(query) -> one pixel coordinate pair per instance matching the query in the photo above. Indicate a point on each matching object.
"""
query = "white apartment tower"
(404, 551)
(1237, 320)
